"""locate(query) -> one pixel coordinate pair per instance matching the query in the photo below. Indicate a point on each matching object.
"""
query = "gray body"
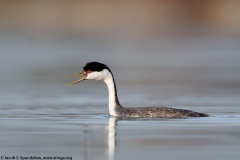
(160, 112)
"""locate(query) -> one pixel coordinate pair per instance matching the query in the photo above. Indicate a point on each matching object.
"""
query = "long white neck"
(112, 90)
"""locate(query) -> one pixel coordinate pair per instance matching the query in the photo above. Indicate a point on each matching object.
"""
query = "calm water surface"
(40, 116)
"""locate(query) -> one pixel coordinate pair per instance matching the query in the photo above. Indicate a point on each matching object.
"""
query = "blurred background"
(106, 17)
(184, 47)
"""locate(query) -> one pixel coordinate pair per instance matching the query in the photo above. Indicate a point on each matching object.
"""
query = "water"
(41, 117)
(82, 136)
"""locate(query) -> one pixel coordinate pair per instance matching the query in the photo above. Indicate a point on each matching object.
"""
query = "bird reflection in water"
(111, 137)
(99, 141)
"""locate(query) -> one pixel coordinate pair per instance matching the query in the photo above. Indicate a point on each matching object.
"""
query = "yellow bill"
(77, 75)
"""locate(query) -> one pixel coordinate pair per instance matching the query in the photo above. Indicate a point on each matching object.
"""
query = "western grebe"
(99, 71)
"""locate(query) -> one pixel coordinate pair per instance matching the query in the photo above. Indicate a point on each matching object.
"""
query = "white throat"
(112, 104)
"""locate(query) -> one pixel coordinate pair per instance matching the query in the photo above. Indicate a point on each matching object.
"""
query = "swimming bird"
(99, 71)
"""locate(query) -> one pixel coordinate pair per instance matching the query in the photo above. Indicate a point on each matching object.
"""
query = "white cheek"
(95, 76)
(102, 75)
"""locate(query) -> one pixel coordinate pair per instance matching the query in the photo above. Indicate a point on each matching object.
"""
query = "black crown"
(95, 66)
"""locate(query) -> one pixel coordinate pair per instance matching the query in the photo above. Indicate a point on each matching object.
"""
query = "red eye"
(88, 71)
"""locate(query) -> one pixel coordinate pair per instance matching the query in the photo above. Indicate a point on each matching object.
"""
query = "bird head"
(92, 71)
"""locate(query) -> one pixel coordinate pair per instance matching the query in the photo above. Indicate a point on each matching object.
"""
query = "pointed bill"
(76, 75)
(84, 78)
